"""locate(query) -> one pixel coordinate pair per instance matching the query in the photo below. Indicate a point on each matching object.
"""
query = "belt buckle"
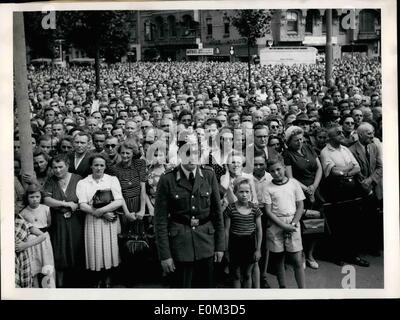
(194, 222)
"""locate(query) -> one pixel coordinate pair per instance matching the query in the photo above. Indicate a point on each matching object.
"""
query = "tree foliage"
(106, 31)
(253, 24)
(40, 41)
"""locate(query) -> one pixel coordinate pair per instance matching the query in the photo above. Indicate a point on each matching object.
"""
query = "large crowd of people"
(186, 174)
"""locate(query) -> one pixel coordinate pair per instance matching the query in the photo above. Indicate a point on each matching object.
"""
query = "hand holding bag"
(102, 198)
(312, 222)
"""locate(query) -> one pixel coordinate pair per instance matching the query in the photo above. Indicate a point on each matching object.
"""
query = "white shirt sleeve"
(299, 194)
(267, 196)
(326, 162)
(81, 191)
(116, 188)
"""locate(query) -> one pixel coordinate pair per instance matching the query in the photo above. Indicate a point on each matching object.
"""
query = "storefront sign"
(200, 52)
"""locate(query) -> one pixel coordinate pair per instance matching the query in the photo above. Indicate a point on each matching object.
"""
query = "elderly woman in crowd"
(303, 164)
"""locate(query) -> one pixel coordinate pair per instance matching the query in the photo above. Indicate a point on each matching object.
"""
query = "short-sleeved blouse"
(87, 187)
(304, 166)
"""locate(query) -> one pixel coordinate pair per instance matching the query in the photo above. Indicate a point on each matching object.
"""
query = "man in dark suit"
(260, 145)
(369, 158)
(188, 222)
(79, 158)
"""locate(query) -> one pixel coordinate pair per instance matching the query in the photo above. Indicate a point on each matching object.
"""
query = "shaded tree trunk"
(21, 95)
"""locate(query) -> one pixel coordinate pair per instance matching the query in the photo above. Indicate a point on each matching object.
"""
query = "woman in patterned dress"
(102, 224)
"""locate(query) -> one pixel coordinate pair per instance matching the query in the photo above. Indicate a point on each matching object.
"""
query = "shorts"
(242, 249)
(277, 241)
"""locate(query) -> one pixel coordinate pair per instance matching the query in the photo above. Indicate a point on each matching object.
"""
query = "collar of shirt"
(187, 172)
(263, 178)
(331, 148)
(91, 180)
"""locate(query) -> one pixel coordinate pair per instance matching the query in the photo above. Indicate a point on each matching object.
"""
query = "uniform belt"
(189, 221)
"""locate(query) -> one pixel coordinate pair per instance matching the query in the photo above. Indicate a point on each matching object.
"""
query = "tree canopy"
(106, 31)
(253, 24)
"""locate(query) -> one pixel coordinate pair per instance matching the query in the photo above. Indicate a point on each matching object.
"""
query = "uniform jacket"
(176, 196)
(374, 170)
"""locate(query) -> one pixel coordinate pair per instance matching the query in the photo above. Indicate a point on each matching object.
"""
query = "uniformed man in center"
(189, 224)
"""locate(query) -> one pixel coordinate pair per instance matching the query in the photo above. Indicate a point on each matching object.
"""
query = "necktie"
(367, 156)
(191, 178)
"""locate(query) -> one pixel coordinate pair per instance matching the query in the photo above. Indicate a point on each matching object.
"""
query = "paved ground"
(328, 276)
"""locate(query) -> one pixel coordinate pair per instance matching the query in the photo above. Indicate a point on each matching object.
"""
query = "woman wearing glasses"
(350, 136)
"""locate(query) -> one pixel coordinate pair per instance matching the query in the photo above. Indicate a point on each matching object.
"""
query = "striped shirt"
(130, 177)
(242, 224)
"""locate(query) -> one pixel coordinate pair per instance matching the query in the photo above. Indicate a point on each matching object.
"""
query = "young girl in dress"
(243, 233)
(284, 207)
(154, 172)
(41, 255)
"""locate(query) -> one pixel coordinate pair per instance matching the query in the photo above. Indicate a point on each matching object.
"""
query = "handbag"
(313, 222)
(136, 237)
(102, 198)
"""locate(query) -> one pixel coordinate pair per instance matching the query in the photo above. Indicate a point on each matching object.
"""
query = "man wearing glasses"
(111, 151)
(340, 168)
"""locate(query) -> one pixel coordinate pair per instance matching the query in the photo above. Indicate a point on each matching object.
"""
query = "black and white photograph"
(200, 145)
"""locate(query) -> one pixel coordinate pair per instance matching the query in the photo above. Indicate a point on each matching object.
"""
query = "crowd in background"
(325, 138)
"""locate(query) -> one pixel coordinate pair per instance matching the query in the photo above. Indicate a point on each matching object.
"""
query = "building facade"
(209, 35)
(166, 34)
(352, 30)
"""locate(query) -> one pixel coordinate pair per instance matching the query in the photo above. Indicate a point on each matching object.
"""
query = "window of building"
(148, 32)
(160, 26)
(367, 21)
(324, 23)
(226, 26)
(172, 26)
(188, 26)
(209, 27)
(292, 21)
(310, 21)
